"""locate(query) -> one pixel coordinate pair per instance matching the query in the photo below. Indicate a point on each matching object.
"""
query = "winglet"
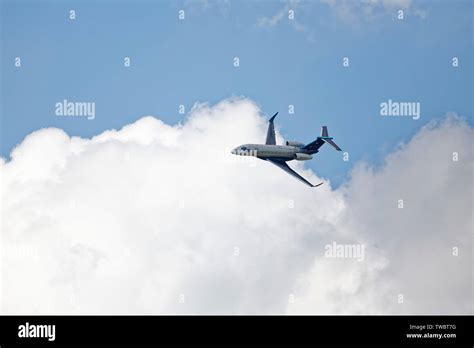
(271, 132)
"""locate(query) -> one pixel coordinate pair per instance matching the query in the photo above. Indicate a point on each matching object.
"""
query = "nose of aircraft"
(234, 151)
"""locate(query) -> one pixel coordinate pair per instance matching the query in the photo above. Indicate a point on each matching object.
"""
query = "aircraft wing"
(271, 132)
(286, 168)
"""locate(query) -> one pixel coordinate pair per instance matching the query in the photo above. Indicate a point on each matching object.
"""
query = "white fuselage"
(275, 151)
(268, 151)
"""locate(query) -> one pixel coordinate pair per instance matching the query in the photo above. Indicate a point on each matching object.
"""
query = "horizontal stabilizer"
(333, 144)
(327, 139)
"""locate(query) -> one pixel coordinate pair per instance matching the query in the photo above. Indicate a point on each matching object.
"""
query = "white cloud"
(130, 220)
(196, 7)
(281, 14)
(273, 20)
(410, 249)
(355, 11)
(356, 14)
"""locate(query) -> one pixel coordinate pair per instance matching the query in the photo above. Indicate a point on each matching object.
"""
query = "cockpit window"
(243, 148)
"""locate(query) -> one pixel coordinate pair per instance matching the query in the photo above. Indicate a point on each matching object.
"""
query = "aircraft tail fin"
(324, 131)
(314, 146)
(327, 139)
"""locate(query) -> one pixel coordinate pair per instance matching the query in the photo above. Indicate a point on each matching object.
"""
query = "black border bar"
(288, 330)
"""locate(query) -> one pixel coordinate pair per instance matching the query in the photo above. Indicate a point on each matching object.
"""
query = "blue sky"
(282, 62)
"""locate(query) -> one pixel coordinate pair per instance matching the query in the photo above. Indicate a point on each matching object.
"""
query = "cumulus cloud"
(154, 218)
(410, 249)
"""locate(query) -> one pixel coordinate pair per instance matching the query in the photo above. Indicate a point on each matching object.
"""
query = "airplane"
(292, 150)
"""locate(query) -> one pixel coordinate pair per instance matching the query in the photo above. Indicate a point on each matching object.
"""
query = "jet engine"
(294, 143)
(302, 157)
